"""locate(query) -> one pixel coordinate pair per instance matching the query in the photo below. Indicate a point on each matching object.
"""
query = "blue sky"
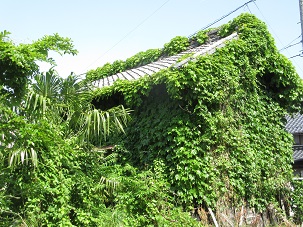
(104, 31)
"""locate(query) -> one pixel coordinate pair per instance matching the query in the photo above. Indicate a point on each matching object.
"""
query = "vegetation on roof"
(175, 46)
(216, 125)
(206, 141)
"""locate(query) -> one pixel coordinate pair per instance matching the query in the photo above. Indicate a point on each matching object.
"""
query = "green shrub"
(143, 58)
(146, 200)
(202, 37)
(297, 201)
(176, 45)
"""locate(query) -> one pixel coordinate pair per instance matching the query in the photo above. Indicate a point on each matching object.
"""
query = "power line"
(298, 55)
(289, 45)
(279, 38)
(221, 18)
(124, 37)
(248, 8)
(268, 23)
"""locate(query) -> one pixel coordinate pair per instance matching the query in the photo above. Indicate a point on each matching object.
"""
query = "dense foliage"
(18, 63)
(51, 173)
(217, 123)
(205, 138)
(297, 200)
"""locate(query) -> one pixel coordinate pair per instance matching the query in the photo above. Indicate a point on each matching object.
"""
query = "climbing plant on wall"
(217, 122)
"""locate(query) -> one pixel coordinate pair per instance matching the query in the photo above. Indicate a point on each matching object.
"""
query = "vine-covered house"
(211, 109)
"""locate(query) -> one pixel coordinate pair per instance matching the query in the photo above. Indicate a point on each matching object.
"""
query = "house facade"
(210, 115)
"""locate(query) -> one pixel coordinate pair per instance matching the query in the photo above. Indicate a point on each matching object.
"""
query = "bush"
(176, 45)
(297, 201)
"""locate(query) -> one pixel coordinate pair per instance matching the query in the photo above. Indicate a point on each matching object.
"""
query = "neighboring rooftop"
(209, 47)
(294, 123)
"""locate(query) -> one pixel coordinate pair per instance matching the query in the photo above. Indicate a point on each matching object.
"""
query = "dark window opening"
(106, 103)
(298, 168)
(298, 139)
(158, 91)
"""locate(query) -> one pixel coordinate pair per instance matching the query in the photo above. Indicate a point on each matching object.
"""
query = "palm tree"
(54, 128)
(67, 103)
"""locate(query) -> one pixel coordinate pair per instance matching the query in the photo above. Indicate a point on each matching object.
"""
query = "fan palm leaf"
(23, 155)
(66, 105)
(97, 125)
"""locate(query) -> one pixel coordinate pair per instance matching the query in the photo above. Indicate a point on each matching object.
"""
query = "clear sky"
(104, 31)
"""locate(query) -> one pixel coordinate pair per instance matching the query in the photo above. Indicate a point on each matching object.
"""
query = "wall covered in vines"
(217, 123)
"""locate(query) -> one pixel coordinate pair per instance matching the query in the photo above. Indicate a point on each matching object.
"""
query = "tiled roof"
(294, 123)
(298, 153)
(165, 63)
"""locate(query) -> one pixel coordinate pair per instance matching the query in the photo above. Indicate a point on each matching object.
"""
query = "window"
(298, 139)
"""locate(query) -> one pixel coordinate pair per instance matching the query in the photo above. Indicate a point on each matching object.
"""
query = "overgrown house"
(211, 109)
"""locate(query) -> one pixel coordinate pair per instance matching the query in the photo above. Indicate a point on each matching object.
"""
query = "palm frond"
(22, 155)
(48, 84)
(110, 184)
(75, 91)
(43, 94)
(97, 125)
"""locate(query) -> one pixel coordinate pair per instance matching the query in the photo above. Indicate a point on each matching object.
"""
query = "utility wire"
(288, 46)
(279, 38)
(248, 8)
(268, 23)
(221, 18)
(216, 21)
(124, 37)
(298, 55)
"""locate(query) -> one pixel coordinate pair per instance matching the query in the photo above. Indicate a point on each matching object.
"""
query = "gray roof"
(166, 62)
(294, 123)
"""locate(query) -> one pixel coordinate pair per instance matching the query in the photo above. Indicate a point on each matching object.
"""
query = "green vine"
(143, 58)
(185, 56)
(202, 37)
(174, 46)
(217, 123)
